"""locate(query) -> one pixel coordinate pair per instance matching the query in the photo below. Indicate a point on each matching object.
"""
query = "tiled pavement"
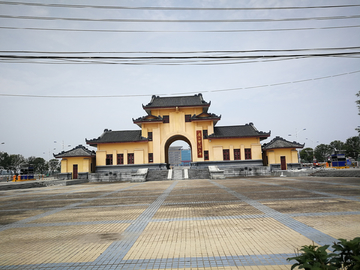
(248, 223)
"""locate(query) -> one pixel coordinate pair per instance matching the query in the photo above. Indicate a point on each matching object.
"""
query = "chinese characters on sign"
(199, 143)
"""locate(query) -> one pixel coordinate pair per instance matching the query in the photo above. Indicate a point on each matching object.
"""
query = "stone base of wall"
(290, 166)
(229, 163)
(64, 176)
(119, 176)
(129, 167)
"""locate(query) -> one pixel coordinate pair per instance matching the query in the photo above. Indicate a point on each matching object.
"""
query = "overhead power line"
(174, 8)
(173, 58)
(187, 52)
(177, 31)
(341, 17)
(182, 93)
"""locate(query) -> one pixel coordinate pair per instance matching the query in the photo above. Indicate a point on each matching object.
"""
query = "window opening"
(109, 159)
(120, 158)
(130, 158)
(247, 153)
(226, 154)
(237, 154)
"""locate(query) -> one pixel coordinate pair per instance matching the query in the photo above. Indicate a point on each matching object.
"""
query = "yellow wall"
(291, 155)
(139, 149)
(216, 146)
(84, 164)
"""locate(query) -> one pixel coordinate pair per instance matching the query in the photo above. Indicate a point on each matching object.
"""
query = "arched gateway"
(170, 141)
(184, 118)
(169, 119)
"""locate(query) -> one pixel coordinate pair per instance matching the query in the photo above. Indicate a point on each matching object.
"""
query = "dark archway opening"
(176, 148)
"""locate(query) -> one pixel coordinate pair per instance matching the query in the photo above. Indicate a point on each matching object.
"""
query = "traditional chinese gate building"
(169, 119)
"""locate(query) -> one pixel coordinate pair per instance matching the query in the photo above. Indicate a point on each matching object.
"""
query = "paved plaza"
(246, 223)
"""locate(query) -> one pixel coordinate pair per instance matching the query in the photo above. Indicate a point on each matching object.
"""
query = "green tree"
(337, 145)
(40, 165)
(54, 165)
(352, 147)
(30, 160)
(307, 155)
(4, 161)
(15, 162)
(322, 152)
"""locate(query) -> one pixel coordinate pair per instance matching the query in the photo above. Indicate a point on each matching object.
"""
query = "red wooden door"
(75, 171)
(283, 162)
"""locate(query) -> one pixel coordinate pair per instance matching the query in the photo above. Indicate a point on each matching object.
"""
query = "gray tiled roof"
(180, 101)
(148, 118)
(247, 130)
(118, 136)
(78, 151)
(279, 142)
(205, 116)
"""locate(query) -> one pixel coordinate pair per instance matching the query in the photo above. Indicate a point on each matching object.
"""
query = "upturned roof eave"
(96, 143)
(231, 137)
(65, 156)
(283, 147)
(146, 108)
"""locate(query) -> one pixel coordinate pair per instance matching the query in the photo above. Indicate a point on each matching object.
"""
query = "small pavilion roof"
(148, 119)
(279, 142)
(247, 130)
(121, 136)
(206, 116)
(176, 101)
(78, 151)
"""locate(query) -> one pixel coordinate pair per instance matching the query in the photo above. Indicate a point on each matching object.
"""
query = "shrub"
(346, 255)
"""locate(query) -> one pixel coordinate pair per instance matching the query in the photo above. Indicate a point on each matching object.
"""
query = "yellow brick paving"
(335, 226)
(91, 214)
(57, 244)
(215, 238)
(200, 224)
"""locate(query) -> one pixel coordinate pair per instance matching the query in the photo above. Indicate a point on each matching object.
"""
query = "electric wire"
(341, 17)
(170, 59)
(185, 52)
(181, 93)
(174, 8)
(177, 31)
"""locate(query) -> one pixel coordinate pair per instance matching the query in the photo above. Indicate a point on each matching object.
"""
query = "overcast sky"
(281, 95)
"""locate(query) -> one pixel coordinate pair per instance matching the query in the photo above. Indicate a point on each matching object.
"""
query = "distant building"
(175, 155)
(185, 157)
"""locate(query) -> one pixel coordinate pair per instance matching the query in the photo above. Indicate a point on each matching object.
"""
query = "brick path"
(250, 223)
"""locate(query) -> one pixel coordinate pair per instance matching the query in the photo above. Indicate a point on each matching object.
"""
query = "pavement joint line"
(56, 210)
(325, 214)
(182, 219)
(27, 192)
(77, 207)
(352, 198)
(294, 199)
(323, 182)
(166, 263)
(48, 196)
(121, 248)
(307, 231)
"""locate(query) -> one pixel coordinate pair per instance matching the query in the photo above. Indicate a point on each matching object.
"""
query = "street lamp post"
(313, 144)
